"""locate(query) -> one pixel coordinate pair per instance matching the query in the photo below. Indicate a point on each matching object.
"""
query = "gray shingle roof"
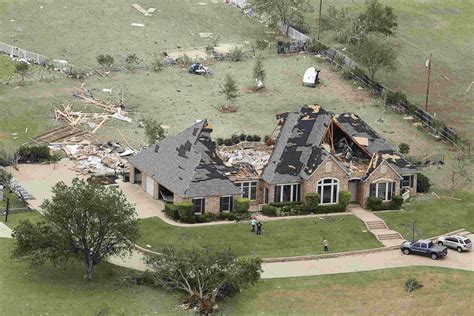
(187, 164)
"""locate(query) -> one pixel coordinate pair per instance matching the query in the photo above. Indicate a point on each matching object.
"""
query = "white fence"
(22, 53)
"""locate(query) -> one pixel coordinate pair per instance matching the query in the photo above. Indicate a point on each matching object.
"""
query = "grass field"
(433, 217)
(443, 28)
(444, 292)
(15, 218)
(24, 290)
(46, 290)
(279, 238)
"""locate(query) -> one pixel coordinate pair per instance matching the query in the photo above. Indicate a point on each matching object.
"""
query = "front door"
(353, 189)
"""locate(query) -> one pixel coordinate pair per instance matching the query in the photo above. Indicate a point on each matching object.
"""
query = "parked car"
(424, 247)
(460, 243)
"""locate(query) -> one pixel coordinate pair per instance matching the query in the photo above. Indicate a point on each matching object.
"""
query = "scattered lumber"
(60, 134)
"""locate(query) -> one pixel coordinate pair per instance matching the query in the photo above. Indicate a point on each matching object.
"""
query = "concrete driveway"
(366, 262)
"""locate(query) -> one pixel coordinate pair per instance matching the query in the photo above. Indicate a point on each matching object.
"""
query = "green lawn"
(14, 201)
(45, 290)
(15, 218)
(444, 292)
(433, 217)
(443, 28)
(280, 238)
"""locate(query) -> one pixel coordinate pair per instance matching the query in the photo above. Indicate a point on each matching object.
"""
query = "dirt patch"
(332, 83)
(193, 54)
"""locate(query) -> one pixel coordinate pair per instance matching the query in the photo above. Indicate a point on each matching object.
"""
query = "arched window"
(328, 190)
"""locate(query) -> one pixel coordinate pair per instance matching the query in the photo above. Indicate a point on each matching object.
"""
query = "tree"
(374, 54)
(153, 131)
(131, 60)
(204, 274)
(5, 179)
(230, 89)
(105, 61)
(404, 148)
(459, 174)
(258, 70)
(85, 221)
(9, 154)
(378, 18)
(22, 68)
(285, 11)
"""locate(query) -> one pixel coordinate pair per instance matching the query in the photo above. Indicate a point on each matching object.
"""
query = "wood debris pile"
(101, 159)
(64, 133)
(257, 156)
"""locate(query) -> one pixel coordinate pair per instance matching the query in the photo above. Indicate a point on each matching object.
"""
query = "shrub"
(242, 205)
(227, 216)
(228, 142)
(347, 74)
(314, 46)
(256, 138)
(312, 200)
(261, 44)
(105, 60)
(242, 137)
(404, 148)
(171, 211)
(412, 285)
(422, 183)
(344, 199)
(374, 203)
(235, 139)
(395, 98)
(324, 209)
(185, 61)
(299, 209)
(219, 141)
(236, 54)
(249, 138)
(411, 108)
(397, 202)
(157, 64)
(266, 138)
(185, 211)
(210, 50)
(34, 153)
(269, 210)
(281, 204)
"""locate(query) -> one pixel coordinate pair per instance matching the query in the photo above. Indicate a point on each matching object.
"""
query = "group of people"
(256, 226)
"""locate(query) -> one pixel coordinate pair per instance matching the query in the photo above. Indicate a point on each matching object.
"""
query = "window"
(226, 204)
(383, 190)
(417, 245)
(287, 192)
(407, 182)
(199, 205)
(328, 190)
(424, 246)
(249, 189)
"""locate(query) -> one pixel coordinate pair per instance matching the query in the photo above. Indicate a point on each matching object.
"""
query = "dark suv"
(424, 247)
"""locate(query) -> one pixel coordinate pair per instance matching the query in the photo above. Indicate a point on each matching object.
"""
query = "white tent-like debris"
(310, 77)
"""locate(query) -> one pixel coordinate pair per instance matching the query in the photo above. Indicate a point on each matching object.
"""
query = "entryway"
(353, 190)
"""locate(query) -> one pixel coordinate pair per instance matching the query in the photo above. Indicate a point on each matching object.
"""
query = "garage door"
(149, 185)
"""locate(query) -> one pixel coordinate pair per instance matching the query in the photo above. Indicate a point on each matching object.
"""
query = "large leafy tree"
(84, 221)
(378, 18)
(285, 11)
(375, 53)
(204, 274)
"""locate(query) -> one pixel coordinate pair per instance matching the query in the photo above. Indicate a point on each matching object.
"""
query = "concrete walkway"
(377, 226)
(5, 231)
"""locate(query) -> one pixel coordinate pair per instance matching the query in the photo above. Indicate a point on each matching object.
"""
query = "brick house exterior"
(314, 151)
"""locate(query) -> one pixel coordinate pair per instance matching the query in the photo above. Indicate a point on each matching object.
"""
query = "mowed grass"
(45, 290)
(433, 216)
(15, 218)
(443, 28)
(279, 238)
(382, 292)
(79, 31)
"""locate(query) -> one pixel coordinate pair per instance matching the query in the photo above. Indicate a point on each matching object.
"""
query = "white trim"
(230, 203)
(291, 191)
(337, 184)
(203, 205)
(390, 182)
(383, 180)
(250, 188)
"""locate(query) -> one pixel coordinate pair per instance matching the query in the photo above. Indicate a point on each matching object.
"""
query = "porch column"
(132, 174)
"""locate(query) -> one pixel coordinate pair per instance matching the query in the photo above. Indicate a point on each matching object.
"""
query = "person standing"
(326, 245)
(253, 223)
(259, 228)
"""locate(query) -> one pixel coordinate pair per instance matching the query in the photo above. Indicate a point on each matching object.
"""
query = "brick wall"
(374, 177)
(212, 203)
(333, 170)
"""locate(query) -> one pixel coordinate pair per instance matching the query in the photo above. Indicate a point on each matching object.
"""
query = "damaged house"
(312, 150)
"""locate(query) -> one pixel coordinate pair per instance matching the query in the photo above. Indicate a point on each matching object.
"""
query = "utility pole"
(428, 85)
(320, 8)
(7, 210)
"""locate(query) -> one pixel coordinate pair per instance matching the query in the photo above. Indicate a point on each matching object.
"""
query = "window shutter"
(231, 203)
(203, 205)
(372, 189)
(393, 188)
(412, 179)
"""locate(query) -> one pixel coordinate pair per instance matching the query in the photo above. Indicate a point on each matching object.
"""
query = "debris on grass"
(227, 109)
